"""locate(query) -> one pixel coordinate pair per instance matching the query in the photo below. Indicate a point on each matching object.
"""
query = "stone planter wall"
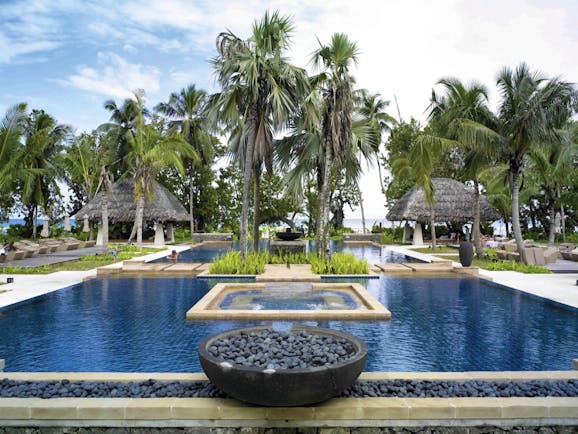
(212, 236)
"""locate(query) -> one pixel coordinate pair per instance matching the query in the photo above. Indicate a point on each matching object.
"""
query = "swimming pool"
(139, 325)
(373, 254)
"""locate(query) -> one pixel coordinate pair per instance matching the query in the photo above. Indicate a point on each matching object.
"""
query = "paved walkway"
(53, 258)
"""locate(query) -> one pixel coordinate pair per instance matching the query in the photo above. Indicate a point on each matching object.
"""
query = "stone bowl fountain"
(288, 236)
(272, 385)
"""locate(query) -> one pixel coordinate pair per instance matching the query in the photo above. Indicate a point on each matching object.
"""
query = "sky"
(70, 56)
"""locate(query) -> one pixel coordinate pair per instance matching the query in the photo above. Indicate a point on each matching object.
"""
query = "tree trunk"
(247, 171)
(256, 204)
(139, 219)
(516, 229)
(362, 210)
(433, 229)
(476, 227)
(191, 205)
(381, 181)
(551, 232)
(34, 222)
(132, 233)
(104, 205)
(323, 206)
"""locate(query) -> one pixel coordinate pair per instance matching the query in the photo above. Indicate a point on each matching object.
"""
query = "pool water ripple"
(139, 325)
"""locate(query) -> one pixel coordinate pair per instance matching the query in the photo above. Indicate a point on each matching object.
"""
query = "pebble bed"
(270, 349)
(200, 389)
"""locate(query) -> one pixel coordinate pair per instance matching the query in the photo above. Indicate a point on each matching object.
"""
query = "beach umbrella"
(66, 223)
(85, 227)
(45, 232)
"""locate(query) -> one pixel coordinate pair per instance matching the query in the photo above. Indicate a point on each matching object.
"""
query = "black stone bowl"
(283, 387)
(288, 236)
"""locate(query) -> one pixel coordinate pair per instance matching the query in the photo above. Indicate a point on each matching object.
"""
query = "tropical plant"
(11, 130)
(40, 160)
(149, 152)
(186, 113)
(532, 110)
(450, 113)
(259, 90)
(335, 84)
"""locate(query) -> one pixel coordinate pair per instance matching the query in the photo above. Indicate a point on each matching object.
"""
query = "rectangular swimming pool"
(139, 325)
(373, 254)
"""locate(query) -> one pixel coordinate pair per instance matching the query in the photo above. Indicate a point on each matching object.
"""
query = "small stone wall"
(369, 238)
(482, 429)
(199, 237)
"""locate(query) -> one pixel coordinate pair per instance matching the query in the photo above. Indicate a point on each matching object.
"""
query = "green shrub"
(514, 266)
(339, 263)
(572, 238)
(289, 258)
(232, 263)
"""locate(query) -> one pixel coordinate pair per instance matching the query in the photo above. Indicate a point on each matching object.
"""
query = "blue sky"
(69, 56)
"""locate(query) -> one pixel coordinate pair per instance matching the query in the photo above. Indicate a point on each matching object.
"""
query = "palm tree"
(123, 127)
(11, 130)
(149, 152)
(186, 111)
(43, 142)
(259, 91)
(450, 113)
(336, 86)
(551, 165)
(372, 108)
(531, 111)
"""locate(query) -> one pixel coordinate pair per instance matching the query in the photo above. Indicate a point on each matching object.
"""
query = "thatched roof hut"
(163, 207)
(453, 202)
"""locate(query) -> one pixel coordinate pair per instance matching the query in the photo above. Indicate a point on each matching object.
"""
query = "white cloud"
(116, 77)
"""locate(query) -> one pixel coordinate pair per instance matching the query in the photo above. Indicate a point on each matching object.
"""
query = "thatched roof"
(453, 202)
(164, 206)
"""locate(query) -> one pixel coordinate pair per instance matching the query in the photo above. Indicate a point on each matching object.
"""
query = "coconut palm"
(459, 104)
(532, 110)
(372, 108)
(335, 84)
(11, 130)
(550, 166)
(43, 141)
(259, 90)
(186, 112)
(150, 152)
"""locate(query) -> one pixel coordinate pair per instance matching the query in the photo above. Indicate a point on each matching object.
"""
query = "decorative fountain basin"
(263, 382)
(288, 236)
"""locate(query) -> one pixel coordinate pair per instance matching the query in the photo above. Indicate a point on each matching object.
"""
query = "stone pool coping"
(341, 412)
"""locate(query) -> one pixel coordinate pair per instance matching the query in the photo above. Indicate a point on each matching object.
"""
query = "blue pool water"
(288, 300)
(373, 254)
(139, 325)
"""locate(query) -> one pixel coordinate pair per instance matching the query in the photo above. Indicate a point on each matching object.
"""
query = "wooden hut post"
(170, 233)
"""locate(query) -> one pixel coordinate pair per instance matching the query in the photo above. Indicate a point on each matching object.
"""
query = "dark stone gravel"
(270, 349)
(200, 389)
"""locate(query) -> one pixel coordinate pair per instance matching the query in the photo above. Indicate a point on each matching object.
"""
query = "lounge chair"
(551, 254)
(14, 255)
(28, 251)
(40, 248)
(566, 250)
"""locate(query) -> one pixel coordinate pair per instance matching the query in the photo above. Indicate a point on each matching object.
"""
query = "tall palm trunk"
(34, 222)
(516, 229)
(139, 219)
(362, 209)
(256, 205)
(552, 231)
(433, 227)
(323, 206)
(104, 211)
(381, 183)
(191, 205)
(247, 169)
(476, 227)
